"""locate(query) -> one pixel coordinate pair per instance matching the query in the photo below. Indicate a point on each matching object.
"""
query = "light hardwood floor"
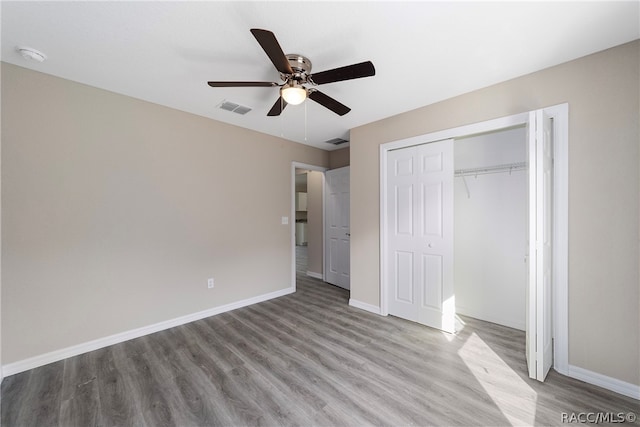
(304, 359)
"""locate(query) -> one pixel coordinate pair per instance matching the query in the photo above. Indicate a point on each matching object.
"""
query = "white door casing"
(420, 234)
(539, 293)
(338, 234)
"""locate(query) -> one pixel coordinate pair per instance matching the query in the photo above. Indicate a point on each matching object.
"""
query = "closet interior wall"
(490, 227)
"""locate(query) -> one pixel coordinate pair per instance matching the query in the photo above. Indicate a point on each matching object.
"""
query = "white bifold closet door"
(539, 339)
(420, 234)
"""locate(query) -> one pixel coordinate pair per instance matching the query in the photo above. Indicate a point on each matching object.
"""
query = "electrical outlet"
(210, 283)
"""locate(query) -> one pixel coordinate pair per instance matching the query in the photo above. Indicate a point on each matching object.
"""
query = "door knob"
(348, 234)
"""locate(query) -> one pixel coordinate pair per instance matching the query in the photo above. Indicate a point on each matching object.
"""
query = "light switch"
(285, 220)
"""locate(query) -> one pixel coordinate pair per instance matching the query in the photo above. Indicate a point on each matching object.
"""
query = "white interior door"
(337, 246)
(420, 234)
(539, 304)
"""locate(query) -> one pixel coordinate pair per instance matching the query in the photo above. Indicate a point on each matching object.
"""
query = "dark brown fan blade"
(277, 107)
(330, 103)
(273, 50)
(355, 71)
(242, 84)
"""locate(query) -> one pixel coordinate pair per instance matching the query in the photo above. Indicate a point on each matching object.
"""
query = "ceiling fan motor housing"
(299, 63)
(301, 66)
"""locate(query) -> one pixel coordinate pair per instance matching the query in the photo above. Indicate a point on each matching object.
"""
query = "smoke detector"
(31, 54)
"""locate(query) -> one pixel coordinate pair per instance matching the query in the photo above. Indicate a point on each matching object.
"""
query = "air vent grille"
(242, 109)
(336, 141)
(234, 108)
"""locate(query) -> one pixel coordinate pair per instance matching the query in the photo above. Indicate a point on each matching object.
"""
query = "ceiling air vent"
(234, 108)
(336, 141)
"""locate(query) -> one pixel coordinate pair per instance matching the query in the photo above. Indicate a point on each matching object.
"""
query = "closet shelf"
(491, 169)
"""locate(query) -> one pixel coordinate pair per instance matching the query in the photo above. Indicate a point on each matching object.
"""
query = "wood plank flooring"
(306, 359)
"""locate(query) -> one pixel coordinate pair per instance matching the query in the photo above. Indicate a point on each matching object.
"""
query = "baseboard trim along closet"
(54, 356)
(364, 306)
(315, 275)
(613, 384)
(486, 316)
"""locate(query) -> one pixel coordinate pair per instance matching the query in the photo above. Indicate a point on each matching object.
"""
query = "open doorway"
(490, 226)
(307, 213)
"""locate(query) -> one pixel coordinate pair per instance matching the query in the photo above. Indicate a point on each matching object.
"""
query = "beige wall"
(339, 158)
(602, 92)
(116, 211)
(314, 222)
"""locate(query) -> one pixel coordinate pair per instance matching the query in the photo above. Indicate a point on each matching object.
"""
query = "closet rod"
(491, 169)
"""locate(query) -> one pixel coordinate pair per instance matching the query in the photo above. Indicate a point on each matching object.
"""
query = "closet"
(474, 220)
(490, 226)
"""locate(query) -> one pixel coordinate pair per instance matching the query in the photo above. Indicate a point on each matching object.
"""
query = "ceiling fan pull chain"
(281, 125)
(305, 121)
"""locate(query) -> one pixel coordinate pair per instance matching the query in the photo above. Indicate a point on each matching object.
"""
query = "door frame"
(292, 214)
(560, 115)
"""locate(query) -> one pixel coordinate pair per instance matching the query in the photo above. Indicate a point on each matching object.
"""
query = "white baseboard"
(54, 356)
(364, 306)
(613, 384)
(487, 317)
(315, 275)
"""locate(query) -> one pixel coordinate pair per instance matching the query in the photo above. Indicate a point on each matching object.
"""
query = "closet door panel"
(420, 234)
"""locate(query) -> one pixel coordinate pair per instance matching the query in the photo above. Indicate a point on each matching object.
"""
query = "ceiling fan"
(299, 83)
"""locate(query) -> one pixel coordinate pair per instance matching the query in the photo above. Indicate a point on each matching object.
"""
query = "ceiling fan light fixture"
(293, 94)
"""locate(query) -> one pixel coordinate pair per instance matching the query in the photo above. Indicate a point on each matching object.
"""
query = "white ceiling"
(424, 52)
